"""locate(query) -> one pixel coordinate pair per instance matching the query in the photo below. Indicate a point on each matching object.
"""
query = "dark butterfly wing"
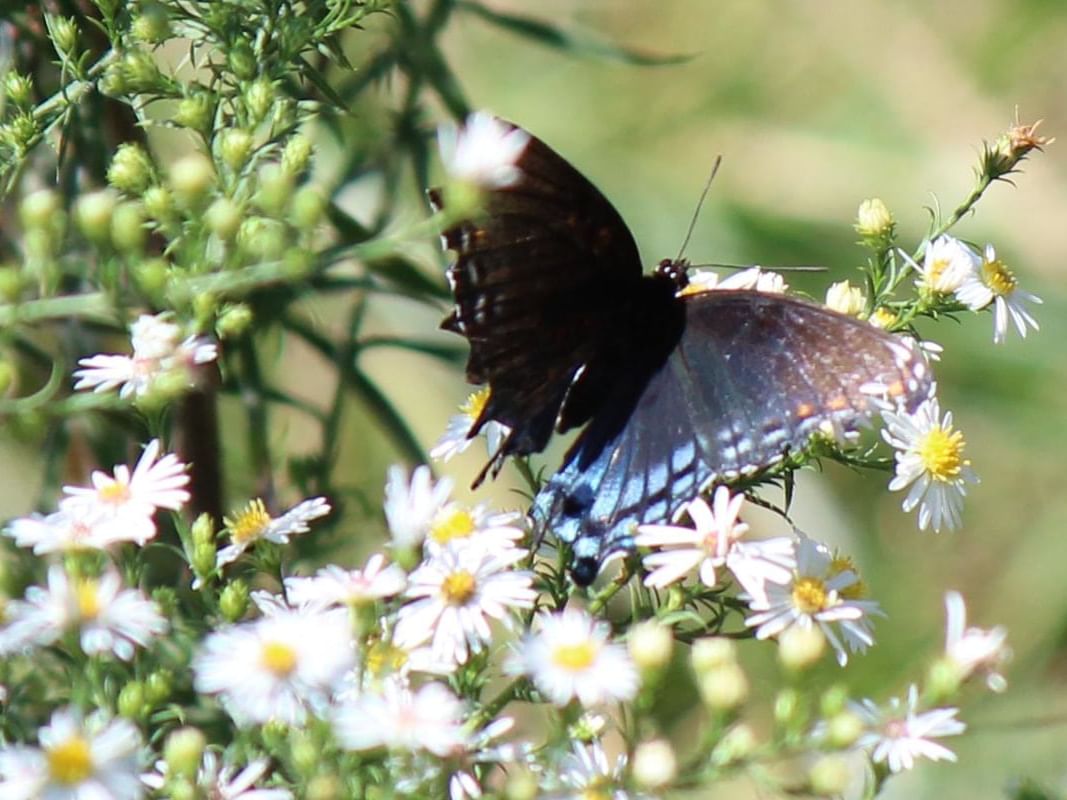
(753, 377)
(543, 279)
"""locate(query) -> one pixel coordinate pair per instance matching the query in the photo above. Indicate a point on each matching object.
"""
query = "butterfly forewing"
(539, 279)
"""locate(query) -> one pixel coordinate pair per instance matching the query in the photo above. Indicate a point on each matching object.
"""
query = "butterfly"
(677, 389)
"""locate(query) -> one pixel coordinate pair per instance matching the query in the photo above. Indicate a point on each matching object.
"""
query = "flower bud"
(182, 752)
(259, 96)
(275, 190)
(93, 215)
(167, 599)
(18, 89)
(195, 111)
(874, 222)
(307, 208)
(128, 228)
(297, 154)
(140, 72)
(736, 745)
(234, 321)
(159, 204)
(203, 560)
(801, 646)
(788, 708)
(242, 60)
(833, 701)
(883, 318)
(829, 776)
(131, 703)
(654, 764)
(131, 169)
(223, 218)
(844, 729)
(260, 237)
(151, 276)
(724, 687)
(943, 679)
(158, 686)
(712, 652)
(191, 177)
(844, 298)
(324, 787)
(151, 25)
(39, 209)
(650, 645)
(234, 601)
(203, 529)
(64, 34)
(235, 145)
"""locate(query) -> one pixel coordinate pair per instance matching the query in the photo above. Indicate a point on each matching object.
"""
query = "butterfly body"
(677, 390)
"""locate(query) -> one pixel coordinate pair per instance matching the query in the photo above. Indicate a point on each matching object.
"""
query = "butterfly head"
(676, 270)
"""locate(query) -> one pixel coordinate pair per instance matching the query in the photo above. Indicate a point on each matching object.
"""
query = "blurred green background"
(815, 105)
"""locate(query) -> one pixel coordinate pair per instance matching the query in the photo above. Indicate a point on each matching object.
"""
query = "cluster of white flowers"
(978, 280)
(160, 353)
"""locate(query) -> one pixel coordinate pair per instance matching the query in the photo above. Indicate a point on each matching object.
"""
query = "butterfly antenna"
(785, 268)
(700, 204)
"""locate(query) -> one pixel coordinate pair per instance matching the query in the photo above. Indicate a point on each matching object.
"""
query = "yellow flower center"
(883, 318)
(854, 591)
(936, 270)
(458, 587)
(941, 452)
(248, 525)
(114, 492)
(998, 278)
(279, 658)
(88, 598)
(810, 595)
(574, 657)
(475, 403)
(452, 523)
(599, 789)
(384, 658)
(70, 762)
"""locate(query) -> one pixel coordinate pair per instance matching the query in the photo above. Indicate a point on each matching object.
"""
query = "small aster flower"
(972, 650)
(278, 667)
(992, 282)
(333, 585)
(572, 657)
(484, 749)
(222, 781)
(457, 438)
(410, 507)
(947, 264)
(753, 279)
(456, 593)
(107, 617)
(484, 151)
(400, 719)
(930, 460)
(713, 543)
(823, 592)
(158, 350)
(131, 499)
(587, 772)
(76, 760)
(899, 735)
(79, 527)
(255, 524)
(459, 525)
(844, 298)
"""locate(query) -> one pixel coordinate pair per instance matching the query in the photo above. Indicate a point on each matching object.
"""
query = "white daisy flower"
(972, 650)
(714, 543)
(457, 438)
(254, 524)
(586, 772)
(278, 667)
(457, 525)
(930, 460)
(455, 595)
(221, 781)
(410, 508)
(993, 282)
(78, 527)
(76, 759)
(333, 585)
(947, 264)
(572, 657)
(131, 499)
(844, 298)
(485, 749)
(823, 592)
(107, 617)
(484, 151)
(899, 735)
(158, 350)
(400, 719)
(751, 279)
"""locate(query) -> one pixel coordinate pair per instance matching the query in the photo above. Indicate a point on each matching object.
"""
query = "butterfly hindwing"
(753, 377)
